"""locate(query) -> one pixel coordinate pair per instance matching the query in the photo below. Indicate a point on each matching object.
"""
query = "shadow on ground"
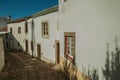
(20, 66)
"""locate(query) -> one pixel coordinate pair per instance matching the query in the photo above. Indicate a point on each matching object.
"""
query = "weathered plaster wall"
(1, 54)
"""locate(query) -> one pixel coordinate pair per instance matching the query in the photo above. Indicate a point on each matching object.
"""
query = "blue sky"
(22, 8)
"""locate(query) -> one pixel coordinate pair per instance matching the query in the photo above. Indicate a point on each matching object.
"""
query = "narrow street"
(20, 66)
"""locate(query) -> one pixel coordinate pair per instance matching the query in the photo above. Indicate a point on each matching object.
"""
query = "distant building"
(4, 20)
(3, 29)
(16, 38)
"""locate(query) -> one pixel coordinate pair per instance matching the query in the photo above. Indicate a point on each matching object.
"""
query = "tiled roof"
(19, 20)
(3, 29)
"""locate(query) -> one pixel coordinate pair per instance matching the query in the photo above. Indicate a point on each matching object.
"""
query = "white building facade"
(16, 29)
(86, 26)
(46, 34)
(37, 35)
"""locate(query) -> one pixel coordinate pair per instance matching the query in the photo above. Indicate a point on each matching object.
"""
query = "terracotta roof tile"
(4, 29)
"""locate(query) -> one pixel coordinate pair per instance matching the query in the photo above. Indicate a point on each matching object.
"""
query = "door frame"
(39, 54)
(26, 46)
(57, 51)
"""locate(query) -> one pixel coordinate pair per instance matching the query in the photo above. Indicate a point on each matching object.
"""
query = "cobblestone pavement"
(20, 66)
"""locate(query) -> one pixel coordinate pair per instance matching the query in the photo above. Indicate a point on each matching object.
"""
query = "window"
(19, 29)
(45, 29)
(10, 30)
(26, 27)
(70, 46)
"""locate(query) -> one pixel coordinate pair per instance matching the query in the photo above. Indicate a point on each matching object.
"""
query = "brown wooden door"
(39, 50)
(26, 46)
(57, 52)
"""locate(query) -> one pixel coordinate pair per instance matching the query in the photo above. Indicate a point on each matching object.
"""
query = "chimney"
(9, 18)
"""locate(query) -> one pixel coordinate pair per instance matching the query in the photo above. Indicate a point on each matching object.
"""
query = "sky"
(22, 8)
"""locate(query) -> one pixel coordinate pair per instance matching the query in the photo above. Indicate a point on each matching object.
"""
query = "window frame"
(70, 57)
(19, 30)
(26, 27)
(45, 29)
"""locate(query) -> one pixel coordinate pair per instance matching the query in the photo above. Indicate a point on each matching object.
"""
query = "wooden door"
(26, 46)
(39, 50)
(57, 52)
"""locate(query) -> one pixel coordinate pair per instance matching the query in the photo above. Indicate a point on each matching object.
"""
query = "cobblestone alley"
(20, 66)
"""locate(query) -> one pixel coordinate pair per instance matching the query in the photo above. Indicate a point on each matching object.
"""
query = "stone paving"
(20, 66)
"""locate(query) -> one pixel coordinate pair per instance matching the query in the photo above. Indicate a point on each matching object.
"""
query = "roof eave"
(46, 11)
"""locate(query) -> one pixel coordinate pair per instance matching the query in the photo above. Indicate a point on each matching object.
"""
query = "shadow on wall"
(112, 66)
(11, 44)
(111, 70)
(91, 74)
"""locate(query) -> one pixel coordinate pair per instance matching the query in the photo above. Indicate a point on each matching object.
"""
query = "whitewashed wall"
(1, 53)
(47, 44)
(20, 37)
(96, 23)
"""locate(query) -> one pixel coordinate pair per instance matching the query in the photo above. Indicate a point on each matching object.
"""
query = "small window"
(11, 30)
(26, 27)
(45, 29)
(19, 29)
(70, 46)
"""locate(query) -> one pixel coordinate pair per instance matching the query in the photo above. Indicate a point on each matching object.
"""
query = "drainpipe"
(32, 29)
